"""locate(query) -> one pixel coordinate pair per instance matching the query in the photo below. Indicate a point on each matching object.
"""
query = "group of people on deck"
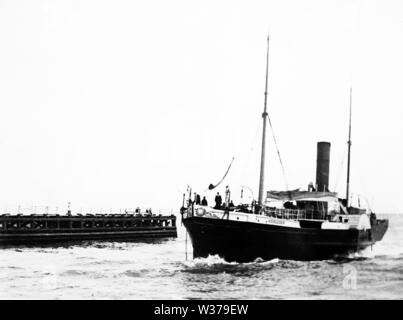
(197, 200)
(218, 200)
(228, 202)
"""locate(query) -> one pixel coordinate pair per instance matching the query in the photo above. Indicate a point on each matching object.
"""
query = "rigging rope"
(278, 152)
(212, 186)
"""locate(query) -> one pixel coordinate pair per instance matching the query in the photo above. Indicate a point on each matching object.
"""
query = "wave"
(213, 260)
(355, 256)
(11, 267)
(75, 273)
(132, 273)
(215, 264)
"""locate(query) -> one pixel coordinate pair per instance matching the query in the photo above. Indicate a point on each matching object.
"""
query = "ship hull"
(245, 242)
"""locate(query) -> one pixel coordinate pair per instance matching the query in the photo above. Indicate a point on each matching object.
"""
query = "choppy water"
(158, 270)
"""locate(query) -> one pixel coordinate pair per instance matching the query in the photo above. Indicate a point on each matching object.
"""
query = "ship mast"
(264, 116)
(349, 153)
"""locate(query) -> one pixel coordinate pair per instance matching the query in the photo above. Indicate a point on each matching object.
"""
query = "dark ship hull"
(245, 242)
(43, 229)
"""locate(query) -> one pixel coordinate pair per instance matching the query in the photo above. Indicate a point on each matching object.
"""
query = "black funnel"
(322, 166)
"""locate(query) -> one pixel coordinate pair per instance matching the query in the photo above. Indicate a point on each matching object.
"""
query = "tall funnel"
(322, 166)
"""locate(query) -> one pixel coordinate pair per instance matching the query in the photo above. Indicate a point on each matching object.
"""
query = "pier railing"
(84, 222)
(63, 210)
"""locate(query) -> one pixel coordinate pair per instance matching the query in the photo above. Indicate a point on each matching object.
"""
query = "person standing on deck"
(227, 196)
(218, 201)
(198, 199)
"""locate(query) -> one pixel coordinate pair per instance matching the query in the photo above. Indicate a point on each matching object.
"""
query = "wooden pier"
(44, 228)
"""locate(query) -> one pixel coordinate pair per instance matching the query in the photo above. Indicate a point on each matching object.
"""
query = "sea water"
(159, 269)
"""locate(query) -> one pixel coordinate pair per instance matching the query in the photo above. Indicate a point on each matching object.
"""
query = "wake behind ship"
(299, 225)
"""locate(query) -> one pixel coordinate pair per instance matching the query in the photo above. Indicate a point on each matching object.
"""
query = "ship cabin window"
(290, 205)
(27, 224)
(36, 224)
(313, 209)
(10, 225)
(99, 224)
(87, 224)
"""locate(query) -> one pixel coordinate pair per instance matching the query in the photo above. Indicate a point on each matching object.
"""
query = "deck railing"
(287, 214)
(295, 214)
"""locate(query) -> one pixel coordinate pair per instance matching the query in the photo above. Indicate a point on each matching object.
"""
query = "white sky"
(119, 103)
